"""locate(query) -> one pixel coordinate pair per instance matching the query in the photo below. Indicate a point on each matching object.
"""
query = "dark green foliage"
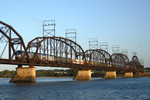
(43, 73)
(7, 73)
(56, 73)
(120, 72)
(72, 72)
(98, 74)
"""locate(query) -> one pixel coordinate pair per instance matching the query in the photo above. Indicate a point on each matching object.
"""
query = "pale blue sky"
(119, 22)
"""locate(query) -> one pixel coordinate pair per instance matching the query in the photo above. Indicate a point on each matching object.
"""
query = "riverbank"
(44, 77)
(118, 75)
(55, 77)
(136, 75)
(4, 77)
(142, 75)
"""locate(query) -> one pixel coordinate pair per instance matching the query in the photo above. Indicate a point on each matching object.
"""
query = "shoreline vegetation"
(101, 76)
(70, 73)
(118, 75)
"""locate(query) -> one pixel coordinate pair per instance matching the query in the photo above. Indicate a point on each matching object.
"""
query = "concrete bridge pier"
(128, 75)
(83, 75)
(24, 75)
(110, 75)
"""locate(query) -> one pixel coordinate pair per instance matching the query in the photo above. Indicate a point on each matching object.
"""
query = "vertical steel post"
(10, 45)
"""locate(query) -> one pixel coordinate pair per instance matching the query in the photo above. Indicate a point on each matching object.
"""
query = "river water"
(67, 89)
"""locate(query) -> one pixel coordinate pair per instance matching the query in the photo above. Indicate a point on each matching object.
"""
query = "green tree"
(51, 73)
(72, 72)
(13, 73)
(7, 73)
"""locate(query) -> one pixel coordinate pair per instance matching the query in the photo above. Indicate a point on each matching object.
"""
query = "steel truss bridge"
(59, 52)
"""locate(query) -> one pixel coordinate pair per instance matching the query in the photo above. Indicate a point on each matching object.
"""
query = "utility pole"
(71, 34)
(124, 51)
(93, 43)
(49, 28)
(115, 49)
(104, 46)
(134, 53)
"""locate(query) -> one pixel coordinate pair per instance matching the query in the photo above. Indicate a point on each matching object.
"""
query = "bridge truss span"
(55, 52)
(98, 59)
(11, 42)
(120, 62)
(136, 64)
(59, 52)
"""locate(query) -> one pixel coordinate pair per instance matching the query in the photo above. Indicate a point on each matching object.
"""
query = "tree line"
(53, 73)
(56, 73)
(7, 73)
(43, 73)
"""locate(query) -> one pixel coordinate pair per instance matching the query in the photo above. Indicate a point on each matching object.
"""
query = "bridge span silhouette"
(59, 52)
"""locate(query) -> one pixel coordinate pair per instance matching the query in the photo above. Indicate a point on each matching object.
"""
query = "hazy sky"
(119, 22)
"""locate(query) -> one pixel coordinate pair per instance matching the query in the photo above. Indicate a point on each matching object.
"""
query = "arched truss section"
(79, 51)
(135, 62)
(135, 59)
(120, 60)
(55, 51)
(97, 57)
(10, 42)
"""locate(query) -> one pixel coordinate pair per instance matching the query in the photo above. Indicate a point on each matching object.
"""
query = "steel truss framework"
(136, 64)
(98, 59)
(13, 42)
(61, 49)
(59, 52)
(120, 61)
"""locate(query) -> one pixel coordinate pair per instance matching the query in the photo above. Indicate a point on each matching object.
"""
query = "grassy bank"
(142, 75)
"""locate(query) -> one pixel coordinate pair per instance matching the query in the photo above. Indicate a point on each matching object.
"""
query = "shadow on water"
(66, 80)
(25, 83)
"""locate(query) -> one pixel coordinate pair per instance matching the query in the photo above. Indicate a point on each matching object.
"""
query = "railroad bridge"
(59, 52)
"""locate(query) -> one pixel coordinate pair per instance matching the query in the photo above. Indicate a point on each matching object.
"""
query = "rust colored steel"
(59, 52)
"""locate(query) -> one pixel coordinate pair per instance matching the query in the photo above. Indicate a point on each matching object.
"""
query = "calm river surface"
(67, 89)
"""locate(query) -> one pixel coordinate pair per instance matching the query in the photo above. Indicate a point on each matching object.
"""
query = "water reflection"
(25, 83)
